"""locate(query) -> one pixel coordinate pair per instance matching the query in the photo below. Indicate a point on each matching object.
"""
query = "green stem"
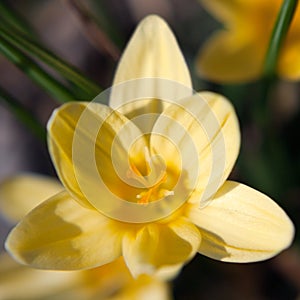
(89, 88)
(281, 27)
(280, 30)
(23, 114)
(35, 72)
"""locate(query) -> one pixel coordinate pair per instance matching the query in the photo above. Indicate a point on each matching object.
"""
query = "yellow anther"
(154, 192)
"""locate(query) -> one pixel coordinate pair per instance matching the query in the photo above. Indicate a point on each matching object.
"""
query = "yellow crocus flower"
(236, 53)
(112, 281)
(146, 179)
(14, 192)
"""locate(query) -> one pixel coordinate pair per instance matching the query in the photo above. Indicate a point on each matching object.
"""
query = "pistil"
(152, 191)
(145, 197)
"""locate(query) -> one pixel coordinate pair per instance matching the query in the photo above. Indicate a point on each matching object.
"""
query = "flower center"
(155, 192)
(154, 183)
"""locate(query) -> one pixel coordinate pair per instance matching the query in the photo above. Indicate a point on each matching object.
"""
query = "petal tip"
(153, 21)
(12, 250)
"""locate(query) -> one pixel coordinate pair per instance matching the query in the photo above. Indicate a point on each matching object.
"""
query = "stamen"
(148, 160)
(168, 193)
(151, 191)
(145, 197)
(134, 173)
(147, 155)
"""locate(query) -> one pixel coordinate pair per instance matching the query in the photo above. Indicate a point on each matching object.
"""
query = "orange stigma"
(145, 197)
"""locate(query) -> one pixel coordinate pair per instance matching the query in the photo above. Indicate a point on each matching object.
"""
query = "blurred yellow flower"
(15, 202)
(153, 156)
(236, 53)
(112, 281)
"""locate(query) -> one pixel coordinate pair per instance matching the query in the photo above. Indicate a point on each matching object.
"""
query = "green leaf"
(280, 30)
(89, 88)
(35, 72)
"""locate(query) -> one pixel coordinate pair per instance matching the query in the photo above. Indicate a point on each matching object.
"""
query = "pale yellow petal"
(160, 248)
(63, 235)
(91, 145)
(144, 288)
(242, 225)
(230, 58)
(23, 283)
(205, 131)
(152, 52)
(113, 281)
(21, 193)
(61, 128)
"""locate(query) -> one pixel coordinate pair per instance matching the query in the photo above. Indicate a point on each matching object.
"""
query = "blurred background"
(91, 35)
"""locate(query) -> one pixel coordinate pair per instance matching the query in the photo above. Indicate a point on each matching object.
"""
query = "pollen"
(153, 183)
(154, 192)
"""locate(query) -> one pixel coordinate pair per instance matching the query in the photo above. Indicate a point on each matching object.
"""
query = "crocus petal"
(61, 234)
(61, 129)
(145, 288)
(160, 249)
(227, 57)
(236, 54)
(152, 52)
(113, 281)
(21, 193)
(205, 130)
(242, 225)
(289, 61)
(231, 11)
(20, 282)
(87, 141)
(224, 11)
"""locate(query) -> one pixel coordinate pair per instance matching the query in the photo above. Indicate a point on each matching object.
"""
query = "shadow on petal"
(60, 234)
(212, 241)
